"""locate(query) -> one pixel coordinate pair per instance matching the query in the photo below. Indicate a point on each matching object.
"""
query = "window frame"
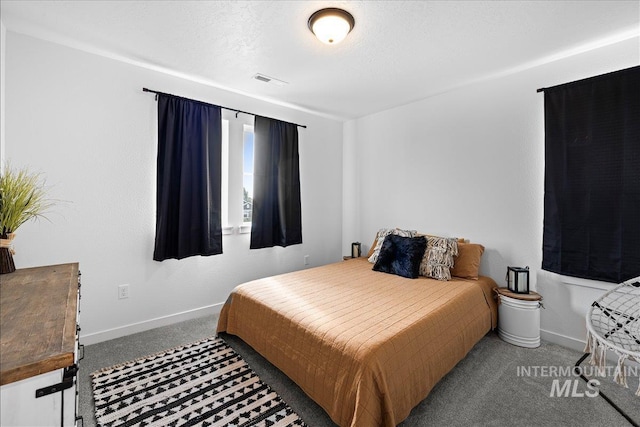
(233, 129)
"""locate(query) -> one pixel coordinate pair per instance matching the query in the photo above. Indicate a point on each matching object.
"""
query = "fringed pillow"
(401, 255)
(438, 258)
(384, 232)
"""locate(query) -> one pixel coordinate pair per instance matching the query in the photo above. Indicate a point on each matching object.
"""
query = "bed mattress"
(366, 346)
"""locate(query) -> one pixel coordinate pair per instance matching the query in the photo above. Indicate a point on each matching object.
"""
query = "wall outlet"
(306, 260)
(123, 291)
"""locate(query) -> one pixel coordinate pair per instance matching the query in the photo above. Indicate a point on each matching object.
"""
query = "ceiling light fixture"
(331, 25)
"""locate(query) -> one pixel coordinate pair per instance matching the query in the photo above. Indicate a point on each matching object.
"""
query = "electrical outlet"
(123, 291)
(306, 260)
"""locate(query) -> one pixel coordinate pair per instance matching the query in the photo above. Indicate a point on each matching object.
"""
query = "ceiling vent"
(271, 80)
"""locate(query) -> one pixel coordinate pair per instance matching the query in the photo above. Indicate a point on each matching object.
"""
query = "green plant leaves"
(22, 197)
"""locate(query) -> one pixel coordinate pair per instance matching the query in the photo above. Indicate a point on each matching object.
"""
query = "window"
(237, 172)
(592, 177)
(224, 182)
(247, 174)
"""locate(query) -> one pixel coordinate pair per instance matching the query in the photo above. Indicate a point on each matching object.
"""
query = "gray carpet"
(483, 390)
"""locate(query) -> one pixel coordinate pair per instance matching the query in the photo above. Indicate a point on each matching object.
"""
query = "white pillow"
(384, 232)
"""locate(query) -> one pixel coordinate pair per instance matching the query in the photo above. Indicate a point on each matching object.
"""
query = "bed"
(366, 346)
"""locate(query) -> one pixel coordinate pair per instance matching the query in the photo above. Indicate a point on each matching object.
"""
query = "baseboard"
(575, 344)
(563, 340)
(133, 328)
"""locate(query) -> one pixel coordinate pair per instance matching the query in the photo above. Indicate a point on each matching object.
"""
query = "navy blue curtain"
(188, 210)
(592, 177)
(276, 217)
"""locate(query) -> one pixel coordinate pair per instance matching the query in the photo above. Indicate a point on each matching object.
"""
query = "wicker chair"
(613, 323)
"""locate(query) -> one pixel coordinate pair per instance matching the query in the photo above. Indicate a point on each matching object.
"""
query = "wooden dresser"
(39, 314)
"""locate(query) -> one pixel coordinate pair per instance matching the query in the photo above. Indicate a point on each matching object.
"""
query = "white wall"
(350, 187)
(470, 163)
(3, 37)
(83, 121)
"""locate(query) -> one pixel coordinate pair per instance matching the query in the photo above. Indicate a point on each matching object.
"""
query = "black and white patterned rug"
(205, 383)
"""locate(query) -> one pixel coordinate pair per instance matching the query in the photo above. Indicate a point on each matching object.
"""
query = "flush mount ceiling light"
(331, 25)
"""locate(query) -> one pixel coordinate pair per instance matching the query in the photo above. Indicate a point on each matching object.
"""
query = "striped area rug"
(205, 383)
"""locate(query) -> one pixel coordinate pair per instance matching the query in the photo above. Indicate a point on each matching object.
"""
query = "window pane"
(225, 173)
(247, 177)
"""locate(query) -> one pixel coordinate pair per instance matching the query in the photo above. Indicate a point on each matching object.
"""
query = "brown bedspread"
(364, 345)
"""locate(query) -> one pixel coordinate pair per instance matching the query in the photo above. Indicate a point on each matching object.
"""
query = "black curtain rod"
(144, 89)
(542, 89)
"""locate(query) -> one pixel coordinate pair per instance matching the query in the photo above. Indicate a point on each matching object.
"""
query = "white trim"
(145, 325)
(588, 283)
(578, 345)
(573, 343)
(563, 340)
(578, 281)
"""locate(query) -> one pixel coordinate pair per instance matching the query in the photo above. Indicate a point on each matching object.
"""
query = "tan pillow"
(467, 264)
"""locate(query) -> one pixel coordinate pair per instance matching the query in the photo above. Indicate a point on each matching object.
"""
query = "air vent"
(262, 78)
(271, 80)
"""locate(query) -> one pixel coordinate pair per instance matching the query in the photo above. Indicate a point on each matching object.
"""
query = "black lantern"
(355, 250)
(518, 279)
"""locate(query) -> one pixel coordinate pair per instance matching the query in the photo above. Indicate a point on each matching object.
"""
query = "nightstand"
(519, 317)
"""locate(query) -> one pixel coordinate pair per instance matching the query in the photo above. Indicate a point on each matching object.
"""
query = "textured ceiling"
(398, 52)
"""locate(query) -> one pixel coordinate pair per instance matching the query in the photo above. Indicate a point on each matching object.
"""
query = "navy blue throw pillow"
(401, 255)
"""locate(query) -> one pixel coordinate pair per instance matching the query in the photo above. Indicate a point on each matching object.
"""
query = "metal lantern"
(355, 249)
(518, 279)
